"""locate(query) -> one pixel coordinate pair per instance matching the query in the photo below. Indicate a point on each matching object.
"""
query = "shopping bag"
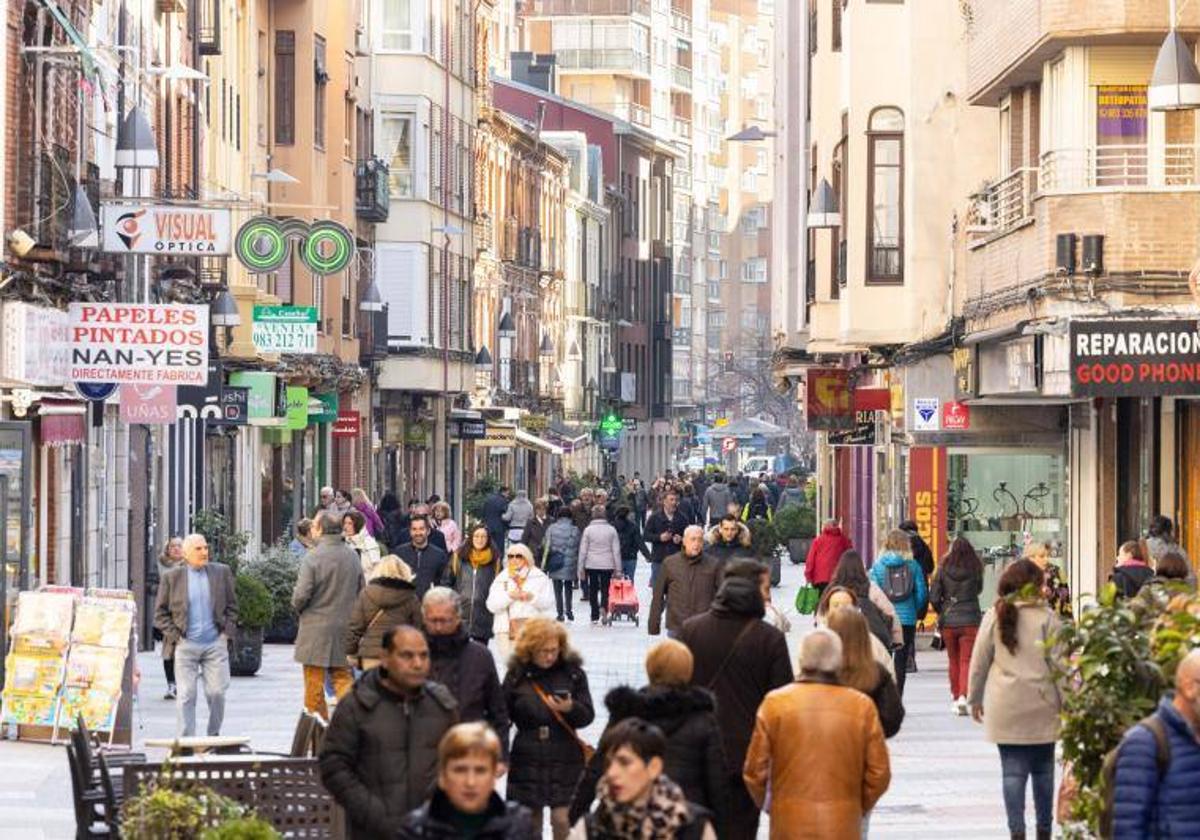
(807, 599)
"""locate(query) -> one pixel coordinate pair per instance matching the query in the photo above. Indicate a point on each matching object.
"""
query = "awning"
(529, 441)
(62, 423)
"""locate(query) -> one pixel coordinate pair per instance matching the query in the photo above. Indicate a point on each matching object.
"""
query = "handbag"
(553, 561)
(370, 624)
(587, 749)
(807, 599)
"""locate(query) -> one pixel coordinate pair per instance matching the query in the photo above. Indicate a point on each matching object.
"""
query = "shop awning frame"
(530, 441)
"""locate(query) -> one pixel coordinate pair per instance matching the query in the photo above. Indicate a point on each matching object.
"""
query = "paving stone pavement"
(945, 777)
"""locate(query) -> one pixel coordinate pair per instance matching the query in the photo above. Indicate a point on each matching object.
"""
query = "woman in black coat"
(686, 714)
(545, 676)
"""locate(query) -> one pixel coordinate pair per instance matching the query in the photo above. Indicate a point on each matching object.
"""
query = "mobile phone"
(562, 694)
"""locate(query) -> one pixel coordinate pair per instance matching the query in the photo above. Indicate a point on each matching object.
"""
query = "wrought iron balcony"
(372, 196)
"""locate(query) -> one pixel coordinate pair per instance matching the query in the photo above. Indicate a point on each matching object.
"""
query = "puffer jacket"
(632, 542)
(435, 821)
(380, 754)
(723, 551)
(563, 537)
(1146, 807)
(906, 610)
(954, 593)
(1130, 577)
(472, 585)
(695, 758)
(545, 760)
(600, 547)
(383, 603)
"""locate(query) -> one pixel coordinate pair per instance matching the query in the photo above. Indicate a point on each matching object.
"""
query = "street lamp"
(275, 176)
(81, 232)
(372, 299)
(823, 212)
(547, 349)
(506, 328)
(224, 311)
(136, 147)
(750, 134)
(1175, 83)
(483, 360)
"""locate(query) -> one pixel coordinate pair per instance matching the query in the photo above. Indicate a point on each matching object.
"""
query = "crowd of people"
(400, 612)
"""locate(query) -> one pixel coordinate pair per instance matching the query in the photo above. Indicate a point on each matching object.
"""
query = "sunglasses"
(514, 557)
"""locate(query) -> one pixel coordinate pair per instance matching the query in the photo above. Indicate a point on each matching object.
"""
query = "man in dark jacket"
(436, 538)
(380, 755)
(686, 586)
(740, 658)
(728, 540)
(494, 507)
(427, 561)
(664, 532)
(465, 667)
(632, 542)
(1148, 800)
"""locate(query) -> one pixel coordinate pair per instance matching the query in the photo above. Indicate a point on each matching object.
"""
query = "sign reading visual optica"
(136, 228)
(264, 243)
(285, 329)
(1135, 358)
(165, 344)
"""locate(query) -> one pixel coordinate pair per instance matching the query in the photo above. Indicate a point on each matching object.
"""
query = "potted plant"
(278, 567)
(174, 809)
(225, 544)
(796, 526)
(474, 498)
(255, 611)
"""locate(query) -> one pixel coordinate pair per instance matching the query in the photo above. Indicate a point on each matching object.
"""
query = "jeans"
(960, 641)
(191, 662)
(314, 687)
(655, 571)
(564, 595)
(598, 591)
(628, 567)
(1018, 762)
(900, 656)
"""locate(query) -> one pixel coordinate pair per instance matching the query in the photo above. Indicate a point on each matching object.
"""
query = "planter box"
(245, 656)
(798, 549)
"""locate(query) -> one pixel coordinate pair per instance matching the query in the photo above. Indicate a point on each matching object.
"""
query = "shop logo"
(926, 410)
(264, 243)
(129, 228)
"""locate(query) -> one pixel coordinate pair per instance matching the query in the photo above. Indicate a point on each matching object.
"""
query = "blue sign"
(96, 391)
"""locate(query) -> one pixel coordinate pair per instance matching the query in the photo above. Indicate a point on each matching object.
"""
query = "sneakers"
(171, 692)
(960, 707)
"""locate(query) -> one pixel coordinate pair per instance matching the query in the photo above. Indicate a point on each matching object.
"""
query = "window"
(348, 113)
(885, 199)
(397, 25)
(320, 82)
(1005, 136)
(812, 27)
(838, 172)
(263, 61)
(836, 19)
(396, 147)
(754, 270)
(723, 269)
(285, 88)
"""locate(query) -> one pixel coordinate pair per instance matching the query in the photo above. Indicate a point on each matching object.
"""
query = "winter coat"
(504, 609)
(435, 821)
(369, 553)
(906, 610)
(820, 750)
(384, 603)
(599, 548)
(757, 509)
(716, 502)
(326, 589)
(1145, 806)
(171, 604)
(518, 512)
(954, 594)
(824, 553)
(1130, 577)
(1156, 547)
(689, 506)
(660, 523)
(375, 523)
(722, 551)
(379, 757)
(1019, 697)
(632, 543)
(472, 585)
(563, 537)
(921, 553)
(695, 759)
(685, 587)
(451, 533)
(698, 826)
(534, 536)
(428, 565)
(468, 670)
(886, 698)
(790, 497)
(546, 759)
(759, 662)
(494, 508)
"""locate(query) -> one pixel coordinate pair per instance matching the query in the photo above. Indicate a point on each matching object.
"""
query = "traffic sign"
(728, 444)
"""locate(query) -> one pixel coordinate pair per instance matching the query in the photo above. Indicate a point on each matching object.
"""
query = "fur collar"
(653, 703)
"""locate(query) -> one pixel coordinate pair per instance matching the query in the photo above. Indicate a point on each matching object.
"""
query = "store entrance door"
(1189, 473)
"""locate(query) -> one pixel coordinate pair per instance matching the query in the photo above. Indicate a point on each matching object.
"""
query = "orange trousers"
(314, 687)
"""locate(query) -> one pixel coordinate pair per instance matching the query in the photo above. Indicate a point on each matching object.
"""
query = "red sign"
(871, 399)
(956, 415)
(927, 495)
(829, 400)
(347, 425)
(148, 404)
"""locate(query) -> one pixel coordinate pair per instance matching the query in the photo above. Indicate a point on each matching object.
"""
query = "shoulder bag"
(587, 749)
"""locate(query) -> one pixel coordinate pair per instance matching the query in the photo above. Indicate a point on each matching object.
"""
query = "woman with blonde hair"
(519, 593)
(473, 570)
(389, 600)
(862, 671)
(546, 690)
(1055, 589)
(841, 597)
(903, 582)
(445, 523)
(362, 504)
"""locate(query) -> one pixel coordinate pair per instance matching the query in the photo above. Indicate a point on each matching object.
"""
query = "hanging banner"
(927, 495)
(285, 329)
(498, 437)
(261, 393)
(151, 405)
(165, 344)
(297, 407)
(329, 409)
(139, 228)
(863, 433)
(828, 404)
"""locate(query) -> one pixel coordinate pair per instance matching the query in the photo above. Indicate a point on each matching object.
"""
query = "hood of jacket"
(743, 538)
(667, 707)
(388, 592)
(739, 597)
(957, 574)
(1133, 563)
(892, 558)
(831, 531)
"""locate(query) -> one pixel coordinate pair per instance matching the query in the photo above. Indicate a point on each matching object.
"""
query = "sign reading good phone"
(1135, 358)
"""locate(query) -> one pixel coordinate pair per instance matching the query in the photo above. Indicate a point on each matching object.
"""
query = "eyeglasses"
(514, 557)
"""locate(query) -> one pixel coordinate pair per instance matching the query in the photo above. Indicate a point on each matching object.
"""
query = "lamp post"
(1175, 83)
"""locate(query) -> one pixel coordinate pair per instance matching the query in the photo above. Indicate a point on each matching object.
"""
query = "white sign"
(34, 345)
(926, 414)
(166, 344)
(285, 329)
(164, 229)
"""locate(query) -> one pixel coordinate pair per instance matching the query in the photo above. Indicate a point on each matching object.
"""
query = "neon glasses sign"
(264, 243)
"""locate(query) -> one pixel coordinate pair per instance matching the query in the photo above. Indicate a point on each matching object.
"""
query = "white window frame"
(414, 33)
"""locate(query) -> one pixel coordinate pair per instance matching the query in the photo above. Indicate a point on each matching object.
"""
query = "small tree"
(474, 498)
(224, 543)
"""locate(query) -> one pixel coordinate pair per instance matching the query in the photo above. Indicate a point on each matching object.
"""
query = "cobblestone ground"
(945, 777)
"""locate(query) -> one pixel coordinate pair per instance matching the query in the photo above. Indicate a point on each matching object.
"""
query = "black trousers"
(564, 590)
(169, 670)
(598, 591)
(900, 655)
(742, 823)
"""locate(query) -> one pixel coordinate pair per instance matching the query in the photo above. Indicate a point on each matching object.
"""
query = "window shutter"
(402, 275)
(285, 87)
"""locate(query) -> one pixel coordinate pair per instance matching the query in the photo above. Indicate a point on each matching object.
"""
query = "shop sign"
(471, 429)
(870, 399)
(164, 344)
(260, 401)
(329, 409)
(1135, 358)
(863, 433)
(285, 329)
(956, 416)
(297, 407)
(164, 229)
(629, 424)
(498, 437)
(416, 435)
(347, 425)
(927, 495)
(33, 345)
(235, 406)
(925, 414)
(151, 405)
(828, 400)
(264, 243)
(965, 385)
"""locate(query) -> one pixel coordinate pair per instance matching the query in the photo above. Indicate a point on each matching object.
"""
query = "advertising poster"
(138, 228)
(828, 403)
(927, 495)
(285, 329)
(162, 344)
(1141, 358)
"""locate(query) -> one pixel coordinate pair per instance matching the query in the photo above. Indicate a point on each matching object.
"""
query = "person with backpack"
(1132, 572)
(902, 581)
(954, 595)
(1013, 694)
(1154, 772)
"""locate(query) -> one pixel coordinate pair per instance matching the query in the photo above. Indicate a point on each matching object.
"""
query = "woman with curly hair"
(548, 700)
(1013, 693)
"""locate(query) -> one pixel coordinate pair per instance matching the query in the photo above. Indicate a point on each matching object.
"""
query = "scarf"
(660, 815)
(480, 557)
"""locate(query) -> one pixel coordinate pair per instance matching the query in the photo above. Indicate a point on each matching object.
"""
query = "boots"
(1017, 835)
(1045, 833)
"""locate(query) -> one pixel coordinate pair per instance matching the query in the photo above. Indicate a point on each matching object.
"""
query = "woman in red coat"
(824, 553)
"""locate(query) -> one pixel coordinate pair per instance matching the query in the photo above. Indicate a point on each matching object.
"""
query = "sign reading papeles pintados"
(165, 344)
(1140, 358)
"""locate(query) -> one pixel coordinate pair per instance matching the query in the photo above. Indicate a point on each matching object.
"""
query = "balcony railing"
(616, 59)
(681, 23)
(1136, 166)
(683, 127)
(633, 112)
(372, 195)
(554, 8)
(1004, 204)
(682, 76)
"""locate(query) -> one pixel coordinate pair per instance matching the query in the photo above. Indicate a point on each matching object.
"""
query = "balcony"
(209, 27)
(632, 112)
(681, 76)
(681, 22)
(372, 194)
(683, 126)
(1003, 205)
(1120, 167)
(615, 60)
(568, 8)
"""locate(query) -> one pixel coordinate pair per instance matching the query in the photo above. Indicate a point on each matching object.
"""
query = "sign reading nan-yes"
(285, 329)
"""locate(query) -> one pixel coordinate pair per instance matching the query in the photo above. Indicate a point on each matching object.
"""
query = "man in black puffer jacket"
(632, 542)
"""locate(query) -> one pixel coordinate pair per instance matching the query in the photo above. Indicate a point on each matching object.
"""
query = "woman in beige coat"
(1013, 693)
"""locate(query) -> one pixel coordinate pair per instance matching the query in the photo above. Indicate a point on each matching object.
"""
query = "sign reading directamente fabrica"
(285, 329)
(165, 344)
(1141, 358)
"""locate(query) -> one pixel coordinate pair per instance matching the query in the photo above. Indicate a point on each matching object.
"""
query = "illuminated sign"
(264, 243)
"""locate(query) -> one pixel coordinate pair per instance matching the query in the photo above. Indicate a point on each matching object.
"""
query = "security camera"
(20, 242)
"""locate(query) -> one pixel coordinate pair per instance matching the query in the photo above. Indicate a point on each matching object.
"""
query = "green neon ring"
(254, 231)
(321, 233)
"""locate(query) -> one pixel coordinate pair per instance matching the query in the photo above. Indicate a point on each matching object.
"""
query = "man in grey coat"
(196, 612)
(326, 589)
(716, 500)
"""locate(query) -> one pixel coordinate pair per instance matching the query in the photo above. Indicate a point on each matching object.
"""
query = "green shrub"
(277, 568)
(175, 810)
(255, 607)
(480, 490)
(224, 544)
(763, 539)
(245, 828)
(795, 523)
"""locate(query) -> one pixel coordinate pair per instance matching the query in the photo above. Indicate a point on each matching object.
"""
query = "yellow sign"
(498, 436)
(721, 421)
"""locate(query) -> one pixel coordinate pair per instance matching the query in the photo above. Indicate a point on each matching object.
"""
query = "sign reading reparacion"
(165, 344)
(1135, 358)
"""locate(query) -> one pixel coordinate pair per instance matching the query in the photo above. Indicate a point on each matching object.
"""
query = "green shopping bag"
(807, 599)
